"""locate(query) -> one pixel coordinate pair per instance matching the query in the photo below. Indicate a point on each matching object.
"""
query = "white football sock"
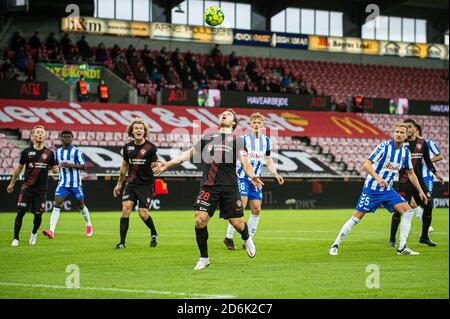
(352, 222)
(85, 213)
(54, 218)
(419, 212)
(405, 227)
(230, 231)
(253, 224)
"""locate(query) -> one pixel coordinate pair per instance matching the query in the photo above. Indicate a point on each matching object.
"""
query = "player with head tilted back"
(258, 147)
(138, 157)
(420, 150)
(218, 153)
(71, 162)
(383, 166)
(38, 160)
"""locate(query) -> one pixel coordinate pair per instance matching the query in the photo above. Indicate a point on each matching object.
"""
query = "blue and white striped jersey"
(434, 151)
(387, 162)
(257, 149)
(69, 177)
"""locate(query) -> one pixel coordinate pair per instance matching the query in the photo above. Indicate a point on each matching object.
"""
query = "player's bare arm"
(183, 157)
(271, 166)
(16, 174)
(248, 169)
(122, 174)
(413, 178)
(437, 158)
(55, 169)
(369, 169)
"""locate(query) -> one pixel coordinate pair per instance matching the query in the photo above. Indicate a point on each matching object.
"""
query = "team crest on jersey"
(148, 200)
(238, 203)
(143, 151)
(44, 156)
(419, 147)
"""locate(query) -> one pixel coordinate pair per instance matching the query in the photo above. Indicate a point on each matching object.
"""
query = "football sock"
(352, 222)
(405, 227)
(202, 241)
(426, 218)
(244, 233)
(124, 221)
(36, 222)
(253, 224)
(394, 225)
(419, 212)
(230, 231)
(151, 225)
(85, 213)
(18, 223)
(54, 218)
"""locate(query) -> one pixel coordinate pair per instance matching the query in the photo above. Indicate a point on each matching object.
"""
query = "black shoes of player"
(428, 242)
(121, 246)
(229, 243)
(154, 241)
(392, 244)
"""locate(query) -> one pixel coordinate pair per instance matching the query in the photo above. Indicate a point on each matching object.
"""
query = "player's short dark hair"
(419, 129)
(66, 132)
(410, 121)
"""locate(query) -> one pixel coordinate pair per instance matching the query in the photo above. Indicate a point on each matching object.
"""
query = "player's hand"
(10, 188)
(160, 168)
(440, 178)
(66, 165)
(257, 182)
(117, 189)
(280, 179)
(423, 197)
(382, 182)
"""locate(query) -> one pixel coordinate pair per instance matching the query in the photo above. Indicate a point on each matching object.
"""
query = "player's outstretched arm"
(271, 166)
(248, 169)
(183, 157)
(16, 174)
(122, 174)
(369, 169)
(413, 179)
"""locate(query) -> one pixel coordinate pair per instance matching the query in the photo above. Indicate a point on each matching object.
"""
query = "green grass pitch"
(292, 259)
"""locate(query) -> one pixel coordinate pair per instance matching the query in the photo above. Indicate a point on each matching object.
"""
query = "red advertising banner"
(21, 114)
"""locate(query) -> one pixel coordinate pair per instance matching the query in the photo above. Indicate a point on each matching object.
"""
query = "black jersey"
(419, 150)
(37, 163)
(139, 158)
(219, 153)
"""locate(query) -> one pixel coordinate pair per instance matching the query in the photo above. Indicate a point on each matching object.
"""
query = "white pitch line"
(152, 292)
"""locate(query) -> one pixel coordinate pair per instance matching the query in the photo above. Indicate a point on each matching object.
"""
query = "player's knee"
(256, 211)
(201, 221)
(143, 213)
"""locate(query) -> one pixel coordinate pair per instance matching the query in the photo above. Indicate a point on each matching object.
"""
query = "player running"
(258, 147)
(218, 153)
(71, 162)
(138, 156)
(38, 160)
(383, 166)
(419, 150)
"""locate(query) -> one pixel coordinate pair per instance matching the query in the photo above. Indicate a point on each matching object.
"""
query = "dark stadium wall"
(298, 194)
(58, 8)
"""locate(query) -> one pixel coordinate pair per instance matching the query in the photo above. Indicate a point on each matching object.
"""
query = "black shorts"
(32, 199)
(227, 197)
(408, 191)
(141, 193)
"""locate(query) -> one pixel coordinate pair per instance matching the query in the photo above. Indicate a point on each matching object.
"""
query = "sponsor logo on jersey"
(31, 153)
(130, 148)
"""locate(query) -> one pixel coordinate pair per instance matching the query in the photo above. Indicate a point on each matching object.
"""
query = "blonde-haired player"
(258, 147)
